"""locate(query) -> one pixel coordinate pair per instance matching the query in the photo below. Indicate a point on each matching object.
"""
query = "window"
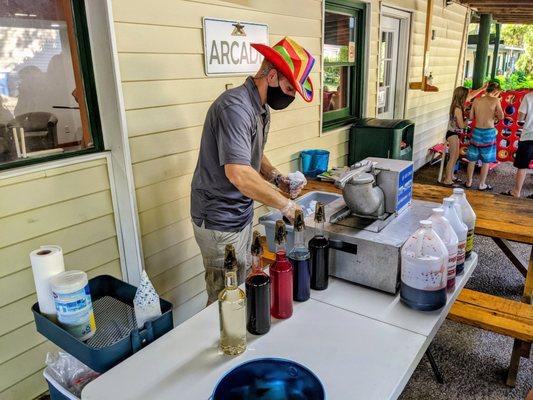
(48, 107)
(343, 51)
(388, 49)
(467, 69)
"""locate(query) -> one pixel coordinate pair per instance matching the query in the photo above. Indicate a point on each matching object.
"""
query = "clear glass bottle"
(257, 292)
(451, 214)
(424, 270)
(468, 216)
(319, 250)
(232, 308)
(300, 259)
(281, 276)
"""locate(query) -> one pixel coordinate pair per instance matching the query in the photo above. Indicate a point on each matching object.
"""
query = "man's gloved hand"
(291, 184)
(289, 210)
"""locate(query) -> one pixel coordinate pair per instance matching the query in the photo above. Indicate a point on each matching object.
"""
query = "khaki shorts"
(212, 245)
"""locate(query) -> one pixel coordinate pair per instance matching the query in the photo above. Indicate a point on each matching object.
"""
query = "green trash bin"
(385, 138)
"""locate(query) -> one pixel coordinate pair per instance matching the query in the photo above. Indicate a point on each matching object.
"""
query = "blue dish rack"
(117, 336)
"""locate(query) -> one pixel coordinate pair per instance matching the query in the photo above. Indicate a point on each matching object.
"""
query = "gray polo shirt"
(235, 132)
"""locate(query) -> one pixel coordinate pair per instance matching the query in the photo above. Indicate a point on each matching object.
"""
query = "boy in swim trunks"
(483, 143)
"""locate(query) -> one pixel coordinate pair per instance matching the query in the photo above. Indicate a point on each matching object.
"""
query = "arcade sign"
(227, 49)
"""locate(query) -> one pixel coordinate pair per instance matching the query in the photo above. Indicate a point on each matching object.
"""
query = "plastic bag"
(72, 374)
(296, 182)
(146, 302)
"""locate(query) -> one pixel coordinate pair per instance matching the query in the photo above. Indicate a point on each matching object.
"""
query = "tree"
(520, 36)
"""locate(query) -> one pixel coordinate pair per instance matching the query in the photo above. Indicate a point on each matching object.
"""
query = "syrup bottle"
(455, 219)
(424, 271)
(281, 276)
(444, 229)
(257, 292)
(232, 308)
(468, 216)
(319, 250)
(299, 257)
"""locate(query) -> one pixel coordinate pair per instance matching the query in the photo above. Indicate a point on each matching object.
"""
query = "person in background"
(456, 124)
(232, 170)
(482, 146)
(524, 152)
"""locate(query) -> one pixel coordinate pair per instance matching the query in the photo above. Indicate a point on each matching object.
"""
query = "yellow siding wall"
(166, 96)
(69, 206)
(429, 110)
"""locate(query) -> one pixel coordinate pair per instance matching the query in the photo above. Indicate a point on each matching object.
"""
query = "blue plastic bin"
(269, 378)
(314, 162)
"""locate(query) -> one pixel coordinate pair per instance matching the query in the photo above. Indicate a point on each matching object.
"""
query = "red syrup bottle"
(281, 277)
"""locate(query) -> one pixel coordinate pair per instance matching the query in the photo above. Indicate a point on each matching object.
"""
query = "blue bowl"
(269, 379)
(314, 162)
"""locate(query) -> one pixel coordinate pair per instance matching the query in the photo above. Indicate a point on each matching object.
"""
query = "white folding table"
(361, 343)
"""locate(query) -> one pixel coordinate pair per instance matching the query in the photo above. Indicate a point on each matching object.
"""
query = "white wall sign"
(227, 47)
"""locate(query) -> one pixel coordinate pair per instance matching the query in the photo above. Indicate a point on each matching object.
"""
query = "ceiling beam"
(498, 2)
(503, 7)
(500, 11)
(503, 20)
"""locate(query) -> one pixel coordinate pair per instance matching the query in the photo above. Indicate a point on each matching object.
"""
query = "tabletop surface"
(360, 342)
(499, 216)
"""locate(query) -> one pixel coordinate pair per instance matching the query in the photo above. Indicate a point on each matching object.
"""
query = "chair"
(40, 130)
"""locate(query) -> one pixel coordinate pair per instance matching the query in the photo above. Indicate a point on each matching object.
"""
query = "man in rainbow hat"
(232, 170)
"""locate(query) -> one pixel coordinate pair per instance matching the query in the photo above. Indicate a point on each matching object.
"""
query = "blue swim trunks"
(482, 145)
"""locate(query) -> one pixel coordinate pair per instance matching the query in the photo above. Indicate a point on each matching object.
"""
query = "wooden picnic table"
(502, 218)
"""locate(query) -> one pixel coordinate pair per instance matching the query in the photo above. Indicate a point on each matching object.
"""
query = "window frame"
(83, 47)
(338, 118)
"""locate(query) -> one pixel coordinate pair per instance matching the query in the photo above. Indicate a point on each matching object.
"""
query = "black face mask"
(277, 99)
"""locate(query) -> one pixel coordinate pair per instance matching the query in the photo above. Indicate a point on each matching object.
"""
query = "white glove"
(297, 182)
(290, 210)
(291, 184)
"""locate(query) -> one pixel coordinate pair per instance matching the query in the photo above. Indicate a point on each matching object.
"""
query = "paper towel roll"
(46, 262)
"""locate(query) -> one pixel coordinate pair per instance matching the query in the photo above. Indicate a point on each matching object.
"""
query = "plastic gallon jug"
(424, 270)
(73, 303)
(450, 213)
(445, 231)
(469, 218)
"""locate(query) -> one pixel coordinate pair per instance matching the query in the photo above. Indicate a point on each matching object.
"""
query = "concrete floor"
(474, 362)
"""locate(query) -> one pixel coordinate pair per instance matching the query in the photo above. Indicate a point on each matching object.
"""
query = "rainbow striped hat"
(293, 61)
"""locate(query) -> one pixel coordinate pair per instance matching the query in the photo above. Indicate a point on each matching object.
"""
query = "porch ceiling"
(504, 11)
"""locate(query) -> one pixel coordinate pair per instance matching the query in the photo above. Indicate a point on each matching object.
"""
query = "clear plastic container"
(445, 231)
(72, 298)
(468, 216)
(450, 213)
(424, 272)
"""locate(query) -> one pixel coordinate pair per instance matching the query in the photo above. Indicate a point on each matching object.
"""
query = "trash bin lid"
(383, 123)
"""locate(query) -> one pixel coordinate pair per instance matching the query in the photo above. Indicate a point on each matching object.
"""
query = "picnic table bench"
(503, 219)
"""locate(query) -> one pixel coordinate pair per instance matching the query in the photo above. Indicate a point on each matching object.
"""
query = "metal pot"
(363, 197)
